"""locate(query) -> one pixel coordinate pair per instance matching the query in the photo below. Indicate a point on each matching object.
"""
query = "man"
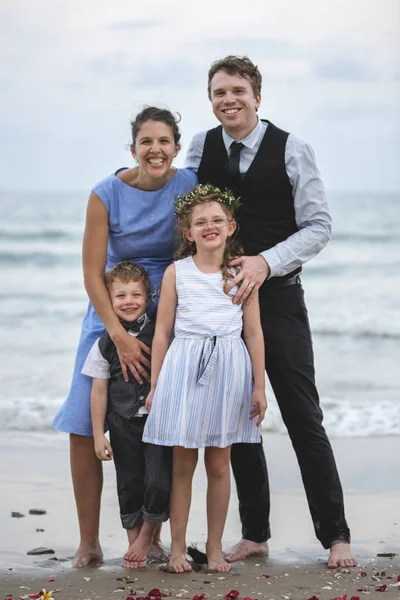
(283, 222)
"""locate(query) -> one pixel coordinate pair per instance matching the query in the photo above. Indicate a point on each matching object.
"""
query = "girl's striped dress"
(203, 394)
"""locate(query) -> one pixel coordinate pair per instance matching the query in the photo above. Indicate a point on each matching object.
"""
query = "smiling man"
(284, 221)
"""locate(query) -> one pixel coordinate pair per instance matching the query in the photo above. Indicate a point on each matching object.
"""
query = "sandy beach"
(35, 475)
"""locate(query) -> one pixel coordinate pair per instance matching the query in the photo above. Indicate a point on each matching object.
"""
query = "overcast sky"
(74, 72)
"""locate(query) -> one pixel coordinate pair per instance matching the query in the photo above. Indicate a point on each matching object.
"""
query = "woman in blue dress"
(130, 216)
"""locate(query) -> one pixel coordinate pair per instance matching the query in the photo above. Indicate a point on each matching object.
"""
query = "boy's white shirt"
(96, 366)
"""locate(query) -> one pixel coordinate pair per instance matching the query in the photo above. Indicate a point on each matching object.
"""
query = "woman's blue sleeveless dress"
(141, 229)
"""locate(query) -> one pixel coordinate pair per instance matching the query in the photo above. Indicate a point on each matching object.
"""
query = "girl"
(210, 384)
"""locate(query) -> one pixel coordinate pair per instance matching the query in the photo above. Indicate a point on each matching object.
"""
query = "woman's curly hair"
(185, 205)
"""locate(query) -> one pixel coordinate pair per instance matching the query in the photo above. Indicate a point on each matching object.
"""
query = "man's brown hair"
(237, 65)
(126, 272)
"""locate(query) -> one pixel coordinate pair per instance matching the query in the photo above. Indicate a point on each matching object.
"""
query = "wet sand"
(35, 474)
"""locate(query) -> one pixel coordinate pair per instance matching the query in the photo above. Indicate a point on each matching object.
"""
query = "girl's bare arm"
(254, 339)
(165, 323)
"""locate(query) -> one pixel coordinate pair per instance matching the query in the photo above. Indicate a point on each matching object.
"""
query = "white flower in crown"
(203, 193)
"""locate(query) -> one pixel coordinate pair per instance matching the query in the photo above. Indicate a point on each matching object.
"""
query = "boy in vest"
(143, 470)
(284, 221)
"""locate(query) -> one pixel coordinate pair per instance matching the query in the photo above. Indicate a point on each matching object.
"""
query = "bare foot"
(137, 552)
(246, 548)
(179, 564)
(341, 556)
(216, 561)
(158, 551)
(132, 564)
(87, 554)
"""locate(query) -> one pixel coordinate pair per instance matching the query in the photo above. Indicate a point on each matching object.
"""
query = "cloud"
(129, 25)
(5, 84)
(111, 64)
(255, 48)
(344, 67)
(173, 73)
(75, 85)
(349, 111)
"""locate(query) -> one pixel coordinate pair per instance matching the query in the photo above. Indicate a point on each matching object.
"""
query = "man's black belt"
(279, 282)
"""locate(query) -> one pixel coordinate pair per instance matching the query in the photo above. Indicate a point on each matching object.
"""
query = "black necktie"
(234, 159)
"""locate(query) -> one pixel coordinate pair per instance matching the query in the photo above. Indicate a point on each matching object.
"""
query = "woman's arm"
(254, 339)
(164, 326)
(94, 256)
(98, 408)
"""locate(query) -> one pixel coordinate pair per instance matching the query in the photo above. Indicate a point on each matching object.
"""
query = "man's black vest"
(266, 216)
(125, 398)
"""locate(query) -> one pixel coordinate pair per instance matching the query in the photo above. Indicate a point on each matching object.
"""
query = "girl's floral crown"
(203, 193)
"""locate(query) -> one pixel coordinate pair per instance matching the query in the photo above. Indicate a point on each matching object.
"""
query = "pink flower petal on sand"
(363, 574)
(314, 598)
(355, 598)
(156, 592)
(248, 598)
(130, 597)
(267, 576)
(35, 595)
(199, 597)
(232, 595)
(344, 597)
(382, 588)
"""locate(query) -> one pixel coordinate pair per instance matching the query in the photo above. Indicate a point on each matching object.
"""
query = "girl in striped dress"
(208, 385)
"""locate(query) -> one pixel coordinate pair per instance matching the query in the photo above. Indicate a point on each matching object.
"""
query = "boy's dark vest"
(125, 398)
(266, 215)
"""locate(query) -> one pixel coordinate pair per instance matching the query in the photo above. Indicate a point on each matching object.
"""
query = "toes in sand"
(179, 564)
(341, 556)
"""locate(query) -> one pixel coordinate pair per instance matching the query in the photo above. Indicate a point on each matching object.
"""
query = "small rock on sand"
(39, 530)
(40, 550)
(37, 511)
(17, 515)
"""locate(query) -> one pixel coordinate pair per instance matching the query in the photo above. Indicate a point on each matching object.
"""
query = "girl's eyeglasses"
(216, 222)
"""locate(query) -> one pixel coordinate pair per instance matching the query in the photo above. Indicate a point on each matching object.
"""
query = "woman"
(130, 216)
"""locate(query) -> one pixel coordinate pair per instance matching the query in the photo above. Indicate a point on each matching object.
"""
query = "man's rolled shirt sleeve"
(312, 214)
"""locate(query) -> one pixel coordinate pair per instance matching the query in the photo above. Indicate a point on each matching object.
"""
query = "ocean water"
(352, 293)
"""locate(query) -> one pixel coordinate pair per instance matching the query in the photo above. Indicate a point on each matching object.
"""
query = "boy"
(143, 470)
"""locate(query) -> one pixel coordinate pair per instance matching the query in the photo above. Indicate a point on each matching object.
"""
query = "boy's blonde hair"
(126, 272)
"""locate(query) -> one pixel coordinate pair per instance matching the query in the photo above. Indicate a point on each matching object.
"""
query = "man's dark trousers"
(290, 367)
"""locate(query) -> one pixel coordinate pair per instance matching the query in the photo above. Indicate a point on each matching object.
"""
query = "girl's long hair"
(187, 248)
